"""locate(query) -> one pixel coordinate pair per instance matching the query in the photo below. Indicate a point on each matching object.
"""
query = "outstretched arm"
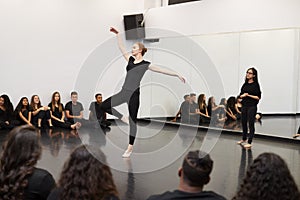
(166, 71)
(120, 43)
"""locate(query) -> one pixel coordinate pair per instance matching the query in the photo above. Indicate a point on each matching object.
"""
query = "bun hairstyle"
(142, 47)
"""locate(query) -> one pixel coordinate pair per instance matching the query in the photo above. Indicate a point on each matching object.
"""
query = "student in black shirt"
(130, 92)
(250, 94)
(194, 174)
(183, 110)
(5, 115)
(39, 113)
(58, 114)
(23, 112)
(202, 109)
(19, 178)
(85, 175)
(97, 114)
(214, 111)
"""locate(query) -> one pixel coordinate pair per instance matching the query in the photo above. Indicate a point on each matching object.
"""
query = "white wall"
(45, 42)
(215, 16)
(236, 34)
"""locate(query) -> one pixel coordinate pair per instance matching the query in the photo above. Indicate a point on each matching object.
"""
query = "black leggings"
(43, 115)
(248, 116)
(133, 101)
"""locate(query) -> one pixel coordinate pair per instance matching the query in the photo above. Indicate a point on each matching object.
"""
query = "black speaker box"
(134, 28)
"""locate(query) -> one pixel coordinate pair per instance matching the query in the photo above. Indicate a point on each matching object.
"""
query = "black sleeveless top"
(135, 73)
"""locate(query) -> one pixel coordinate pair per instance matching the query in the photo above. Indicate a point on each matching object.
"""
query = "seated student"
(214, 110)
(85, 175)
(238, 107)
(223, 103)
(202, 110)
(183, 110)
(231, 111)
(74, 109)
(194, 174)
(19, 178)
(39, 113)
(58, 115)
(23, 112)
(268, 177)
(193, 115)
(96, 113)
(5, 115)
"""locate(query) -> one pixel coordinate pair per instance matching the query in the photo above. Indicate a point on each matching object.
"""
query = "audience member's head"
(186, 97)
(268, 177)
(211, 101)
(23, 104)
(74, 97)
(193, 97)
(7, 103)
(201, 100)
(223, 102)
(231, 103)
(86, 175)
(20, 154)
(196, 169)
(98, 98)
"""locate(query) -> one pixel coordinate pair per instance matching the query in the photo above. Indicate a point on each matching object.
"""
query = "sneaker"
(126, 154)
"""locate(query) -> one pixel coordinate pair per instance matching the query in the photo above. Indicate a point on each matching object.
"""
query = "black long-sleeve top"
(251, 89)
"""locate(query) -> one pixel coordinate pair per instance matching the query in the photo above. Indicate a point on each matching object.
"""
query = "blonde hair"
(142, 47)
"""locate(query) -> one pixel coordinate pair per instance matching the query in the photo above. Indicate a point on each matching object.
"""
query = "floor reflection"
(275, 126)
(230, 160)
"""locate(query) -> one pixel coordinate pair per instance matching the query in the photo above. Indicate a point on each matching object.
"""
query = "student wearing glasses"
(250, 94)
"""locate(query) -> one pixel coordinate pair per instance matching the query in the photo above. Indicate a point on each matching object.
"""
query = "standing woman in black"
(130, 92)
(250, 94)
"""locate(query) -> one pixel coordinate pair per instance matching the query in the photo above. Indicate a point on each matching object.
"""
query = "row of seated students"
(197, 111)
(86, 175)
(54, 114)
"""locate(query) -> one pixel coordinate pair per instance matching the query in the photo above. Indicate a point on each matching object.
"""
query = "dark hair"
(185, 96)
(197, 166)
(210, 102)
(268, 177)
(7, 103)
(201, 101)
(98, 94)
(21, 152)
(20, 106)
(58, 103)
(32, 104)
(222, 101)
(86, 176)
(192, 94)
(74, 93)
(231, 103)
(142, 47)
(255, 75)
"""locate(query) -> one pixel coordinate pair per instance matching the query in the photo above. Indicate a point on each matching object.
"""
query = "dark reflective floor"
(158, 153)
(275, 126)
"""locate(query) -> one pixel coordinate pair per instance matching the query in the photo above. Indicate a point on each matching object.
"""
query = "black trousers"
(43, 115)
(133, 101)
(60, 124)
(248, 118)
(3, 125)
